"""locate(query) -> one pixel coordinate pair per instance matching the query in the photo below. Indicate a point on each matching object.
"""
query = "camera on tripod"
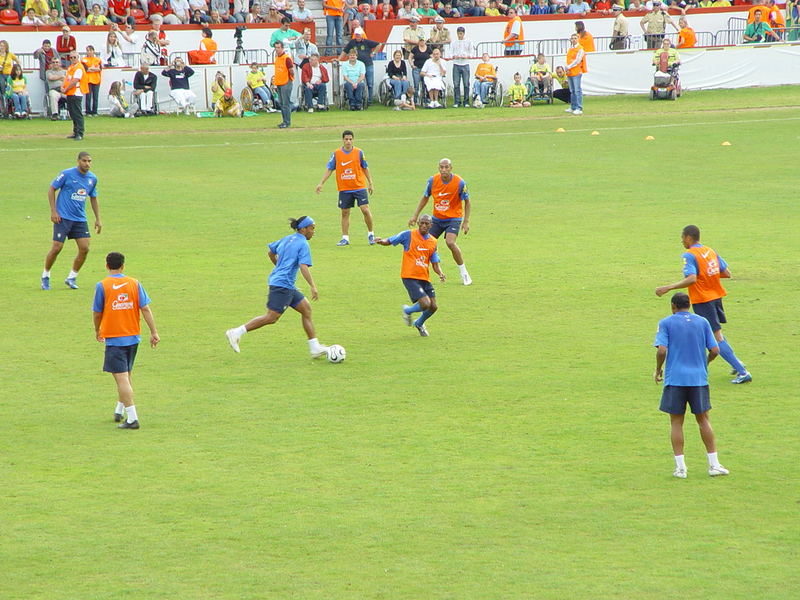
(237, 33)
(238, 56)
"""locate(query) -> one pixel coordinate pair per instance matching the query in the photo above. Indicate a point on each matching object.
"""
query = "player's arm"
(683, 283)
(383, 242)
(151, 324)
(324, 179)
(661, 356)
(310, 280)
(370, 187)
(725, 274)
(422, 202)
(51, 197)
(97, 317)
(438, 270)
(98, 226)
(273, 257)
(465, 222)
(713, 353)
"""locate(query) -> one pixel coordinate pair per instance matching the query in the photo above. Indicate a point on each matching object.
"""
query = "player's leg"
(80, 258)
(303, 306)
(450, 238)
(119, 362)
(278, 301)
(714, 313)
(363, 204)
(50, 260)
(428, 305)
(345, 223)
(673, 402)
(707, 434)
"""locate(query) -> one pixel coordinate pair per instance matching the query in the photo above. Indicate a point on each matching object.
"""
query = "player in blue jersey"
(68, 214)
(289, 255)
(682, 341)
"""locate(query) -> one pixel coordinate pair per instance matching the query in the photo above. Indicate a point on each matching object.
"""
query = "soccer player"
(118, 301)
(419, 253)
(354, 181)
(451, 207)
(288, 254)
(68, 214)
(702, 270)
(682, 341)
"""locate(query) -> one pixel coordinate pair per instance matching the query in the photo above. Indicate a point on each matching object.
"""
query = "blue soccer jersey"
(99, 304)
(687, 337)
(292, 251)
(74, 188)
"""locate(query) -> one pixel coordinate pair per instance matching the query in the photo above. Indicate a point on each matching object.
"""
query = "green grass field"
(518, 452)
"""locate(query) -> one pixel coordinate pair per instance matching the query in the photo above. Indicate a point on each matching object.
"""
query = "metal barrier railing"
(244, 56)
(729, 37)
(737, 23)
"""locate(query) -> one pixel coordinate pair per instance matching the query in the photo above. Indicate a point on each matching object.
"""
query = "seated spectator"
(214, 18)
(354, 75)
(439, 35)
(144, 89)
(207, 53)
(413, 34)
(673, 58)
(426, 10)
(363, 15)
(257, 82)
(45, 55)
(54, 76)
(197, 18)
(151, 50)
(407, 11)
(540, 75)
(722, 3)
(603, 7)
(218, 86)
(272, 16)
(384, 11)
(517, 93)
(284, 34)
(636, 6)
(179, 88)
(314, 77)
(304, 48)
(758, 31)
(113, 56)
(162, 11)
(254, 16)
(686, 35)
(477, 9)
(448, 12)
(542, 7)
(54, 19)
(284, 8)
(65, 43)
(433, 72)
(96, 18)
(398, 76)
(75, 12)
(493, 10)
(41, 8)
(31, 19)
(301, 15)
(17, 90)
(228, 106)
(349, 11)
(180, 10)
(561, 79)
(119, 11)
(579, 7)
(198, 5)
(585, 39)
(163, 42)
(223, 10)
(119, 107)
(485, 76)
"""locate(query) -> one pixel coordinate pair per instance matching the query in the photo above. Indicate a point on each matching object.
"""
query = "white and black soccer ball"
(336, 353)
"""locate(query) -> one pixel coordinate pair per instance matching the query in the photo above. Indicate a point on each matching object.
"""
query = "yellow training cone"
(726, 143)
(595, 133)
(649, 138)
(560, 130)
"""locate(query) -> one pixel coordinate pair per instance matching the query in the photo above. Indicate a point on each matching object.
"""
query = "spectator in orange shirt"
(686, 35)
(585, 39)
(94, 66)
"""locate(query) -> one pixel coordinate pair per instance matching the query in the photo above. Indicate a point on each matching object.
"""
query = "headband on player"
(305, 222)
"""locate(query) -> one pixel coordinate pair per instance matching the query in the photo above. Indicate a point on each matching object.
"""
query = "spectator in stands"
(54, 76)
(540, 75)
(227, 105)
(96, 17)
(413, 34)
(426, 10)
(398, 76)
(119, 107)
(385, 11)
(440, 35)
(449, 12)
(602, 6)
(513, 37)
(17, 90)
(45, 55)
(561, 78)
(579, 7)
(207, 53)
(256, 81)
(576, 67)
(636, 6)
(758, 31)
(197, 18)
(354, 77)
(284, 34)
(493, 10)
(542, 7)
(162, 37)
(272, 16)
(144, 89)
(162, 11)
(407, 11)
(673, 58)
(284, 8)
(304, 48)
(180, 10)
(31, 19)
(654, 25)
(223, 9)
(200, 6)
(419, 56)
(585, 39)
(41, 8)
(113, 56)
(179, 86)
(478, 9)
(485, 76)
(314, 77)
(461, 50)
(75, 12)
(119, 11)
(151, 51)
(364, 48)
(333, 10)
(93, 66)
(363, 15)
(517, 93)
(349, 10)
(686, 35)
(128, 40)
(619, 32)
(214, 18)
(65, 43)
(433, 72)
(254, 16)
(54, 19)
(302, 15)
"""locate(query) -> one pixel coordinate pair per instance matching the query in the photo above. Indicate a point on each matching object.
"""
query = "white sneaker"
(320, 352)
(679, 473)
(568, 110)
(431, 105)
(406, 316)
(397, 108)
(311, 110)
(577, 111)
(466, 279)
(233, 339)
(718, 470)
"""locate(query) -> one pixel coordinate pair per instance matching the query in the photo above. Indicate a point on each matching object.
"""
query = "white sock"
(120, 408)
(679, 462)
(45, 273)
(72, 275)
(241, 330)
(369, 233)
(346, 237)
(313, 345)
(713, 461)
(463, 269)
(131, 410)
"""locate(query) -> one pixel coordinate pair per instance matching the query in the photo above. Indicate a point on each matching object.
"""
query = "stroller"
(666, 83)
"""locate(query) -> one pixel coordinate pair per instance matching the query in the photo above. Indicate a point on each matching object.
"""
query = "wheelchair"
(535, 94)
(423, 94)
(133, 101)
(253, 102)
(666, 83)
(47, 113)
(494, 97)
(345, 105)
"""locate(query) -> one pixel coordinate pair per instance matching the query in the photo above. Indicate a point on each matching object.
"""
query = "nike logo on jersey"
(705, 254)
(442, 193)
(421, 249)
(116, 287)
(344, 164)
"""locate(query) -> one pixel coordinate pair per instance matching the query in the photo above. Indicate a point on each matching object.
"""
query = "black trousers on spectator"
(75, 113)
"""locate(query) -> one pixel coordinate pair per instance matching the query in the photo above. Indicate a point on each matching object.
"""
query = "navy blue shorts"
(674, 399)
(417, 288)
(281, 298)
(441, 226)
(349, 199)
(712, 312)
(119, 359)
(70, 230)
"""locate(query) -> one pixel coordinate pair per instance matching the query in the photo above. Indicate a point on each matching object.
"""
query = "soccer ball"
(336, 353)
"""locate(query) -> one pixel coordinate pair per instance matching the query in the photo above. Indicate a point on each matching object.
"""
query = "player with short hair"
(682, 340)
(419, 253)
(68, 214)
(451, 208)
(118, 302)
(288, 254)
(354, 183)
(702, 269)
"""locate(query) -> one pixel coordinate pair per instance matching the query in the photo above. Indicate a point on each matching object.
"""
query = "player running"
(419, 253)
(288, 254)
(451, 209)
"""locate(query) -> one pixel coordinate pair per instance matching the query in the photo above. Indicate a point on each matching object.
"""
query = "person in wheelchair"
(397, 72)
(518, 93)
(485, 78)
(673, 61)
(354, 75)
(314, 77)
(56, 99)
(541, 77)
(433, 73)
(257, 82)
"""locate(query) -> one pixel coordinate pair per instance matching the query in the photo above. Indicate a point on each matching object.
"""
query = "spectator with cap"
(65, 43)
(654, 25)
(461, 50)
(412, 34)
(364, 49)
(439, 36)
(619, 31)
(228, 106)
